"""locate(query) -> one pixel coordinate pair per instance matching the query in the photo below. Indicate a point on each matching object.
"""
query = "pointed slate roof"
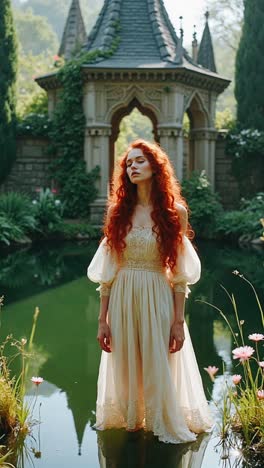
(74, 34)
(143, 43)
(206, 50)
(145, 33)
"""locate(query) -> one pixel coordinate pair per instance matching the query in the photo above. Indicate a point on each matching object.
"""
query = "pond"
(53, 277)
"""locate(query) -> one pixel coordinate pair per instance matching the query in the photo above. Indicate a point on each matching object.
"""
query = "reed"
(16, 414)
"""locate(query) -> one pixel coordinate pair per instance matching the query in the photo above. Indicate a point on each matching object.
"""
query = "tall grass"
(242, 406)
(15, 412)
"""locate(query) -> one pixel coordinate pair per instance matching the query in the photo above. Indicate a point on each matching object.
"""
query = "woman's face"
(138, 166)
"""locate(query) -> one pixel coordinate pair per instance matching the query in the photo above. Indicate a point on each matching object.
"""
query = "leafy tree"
(34, 33)
(29, 93)
(226, 21)
(250, 68)
(16, 3)
(133, 126)
(37, 21)
(56, 12)
(8, 60)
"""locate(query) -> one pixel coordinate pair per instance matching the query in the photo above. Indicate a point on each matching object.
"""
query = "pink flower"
(243, 353)
(256, 337)
(261, 364)
(37, 380)
(54, 190)
(56, 57)
(260, 394)
(211, 370)
(236, 379)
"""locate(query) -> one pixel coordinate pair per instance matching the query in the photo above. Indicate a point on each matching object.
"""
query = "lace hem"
(134, 415)
(114, 415)
(196, 421)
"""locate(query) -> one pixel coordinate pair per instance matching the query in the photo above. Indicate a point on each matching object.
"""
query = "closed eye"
(138, 160)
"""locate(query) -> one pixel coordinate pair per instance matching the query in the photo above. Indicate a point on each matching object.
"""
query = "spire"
(206, 51)
(74, 34)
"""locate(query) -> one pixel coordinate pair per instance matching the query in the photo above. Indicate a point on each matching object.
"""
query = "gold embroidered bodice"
(141, 250)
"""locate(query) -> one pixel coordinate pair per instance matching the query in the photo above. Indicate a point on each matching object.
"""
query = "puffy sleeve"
(188, 268)
(103, 268)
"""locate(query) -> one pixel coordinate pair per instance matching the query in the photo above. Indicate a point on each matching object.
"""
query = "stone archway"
(202, 136)
(118, 115)
(147, 67)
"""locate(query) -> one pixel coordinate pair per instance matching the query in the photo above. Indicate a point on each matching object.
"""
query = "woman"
(148, 375)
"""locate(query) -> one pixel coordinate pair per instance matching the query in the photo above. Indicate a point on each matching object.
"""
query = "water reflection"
(120, 449)
(67, 355)
(30, 270)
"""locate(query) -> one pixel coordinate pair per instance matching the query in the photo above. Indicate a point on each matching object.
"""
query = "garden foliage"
(48, 212)
(67, 134)
(246, 148)
(15, 412)
(244, 223)
(16, 217)
(34, 124)
(204, 204)
(8, 56)
(250, 68)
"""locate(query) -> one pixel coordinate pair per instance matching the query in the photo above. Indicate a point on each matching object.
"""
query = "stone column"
(171, 140)
(52, 99)
(204, 151)
(97, 154)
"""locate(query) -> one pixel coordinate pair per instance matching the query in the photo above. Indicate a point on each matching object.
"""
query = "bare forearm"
(179, 306)
(103, 308)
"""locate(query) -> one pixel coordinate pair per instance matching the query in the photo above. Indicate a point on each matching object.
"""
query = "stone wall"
(225, 184)
(30, 169)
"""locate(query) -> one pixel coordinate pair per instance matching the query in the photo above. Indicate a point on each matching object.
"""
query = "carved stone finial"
(181, 28)
(194, 44)
(194, 33)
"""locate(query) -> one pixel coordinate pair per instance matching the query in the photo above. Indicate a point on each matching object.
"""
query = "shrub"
(17, 208)
(34, 124)
(79, 230)
(16, 217)
(48, 211)
(246, 150)
(9, 231)
(79, 190)
(204, 204)
(245, 221)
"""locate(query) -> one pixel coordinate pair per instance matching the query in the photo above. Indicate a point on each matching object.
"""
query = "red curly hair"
(165, 193)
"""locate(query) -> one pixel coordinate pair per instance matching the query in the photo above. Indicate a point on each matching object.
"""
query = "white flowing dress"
(140, 383)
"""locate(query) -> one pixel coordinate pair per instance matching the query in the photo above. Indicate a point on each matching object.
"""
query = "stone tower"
(150, 69)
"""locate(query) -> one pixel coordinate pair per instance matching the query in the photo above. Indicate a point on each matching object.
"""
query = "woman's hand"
(104, 336)
(176, 337)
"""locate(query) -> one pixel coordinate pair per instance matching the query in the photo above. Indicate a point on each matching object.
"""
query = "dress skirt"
(140, 383)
